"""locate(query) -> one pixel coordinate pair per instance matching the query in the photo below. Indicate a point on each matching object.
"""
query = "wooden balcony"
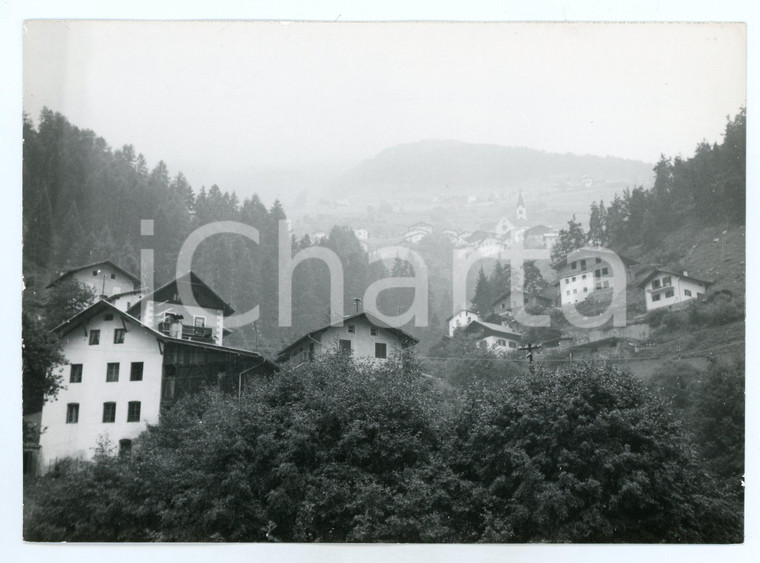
(189, 332)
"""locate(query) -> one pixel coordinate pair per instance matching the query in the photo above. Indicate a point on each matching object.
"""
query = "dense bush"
(339, 451)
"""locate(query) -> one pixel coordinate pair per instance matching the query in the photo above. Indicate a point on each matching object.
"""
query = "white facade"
(580, 278)
(364, 339)
(104, 279)
(665, 289)
(64, 437)
(504, 343)
(124, 301)
(576, 287)
(460, 319)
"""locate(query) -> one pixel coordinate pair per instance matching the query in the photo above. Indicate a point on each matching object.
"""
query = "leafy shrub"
(342, 451)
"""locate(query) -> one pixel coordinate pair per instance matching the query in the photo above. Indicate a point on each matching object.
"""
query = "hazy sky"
(212, 99)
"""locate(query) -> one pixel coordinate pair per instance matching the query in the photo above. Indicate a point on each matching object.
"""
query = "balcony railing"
(189, 332)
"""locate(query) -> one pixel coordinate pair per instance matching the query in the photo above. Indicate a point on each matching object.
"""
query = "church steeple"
(522, 214)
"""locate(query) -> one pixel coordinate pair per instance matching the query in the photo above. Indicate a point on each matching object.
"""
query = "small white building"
(499, 338)
(663, 288)
(361, 234)
(503, 227)
(460, 319)
(120, 374)
(164, 309)
(362, 335)
(104, 278)
(579, 278)
(123, 301)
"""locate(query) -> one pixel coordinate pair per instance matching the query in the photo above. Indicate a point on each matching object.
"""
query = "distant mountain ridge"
(433, 164)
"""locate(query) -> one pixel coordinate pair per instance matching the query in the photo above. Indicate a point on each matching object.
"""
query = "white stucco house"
(663, 288)
(499, 338)
(361, 335)
(459, 319)
(104, 278)
(585, 274)
(119, 375)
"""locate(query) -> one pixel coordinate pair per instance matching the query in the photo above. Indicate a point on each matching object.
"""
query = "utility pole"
(530, 348)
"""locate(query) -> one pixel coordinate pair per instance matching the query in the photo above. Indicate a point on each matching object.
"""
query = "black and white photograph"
(423, 283)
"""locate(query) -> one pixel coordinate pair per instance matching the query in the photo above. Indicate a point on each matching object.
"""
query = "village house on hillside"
(164, 310)
(499, 338)
(105, 278)
(459, 319)
(582, 276)
(362, 335)
(502, 305)
(120, 373)
(663, 288)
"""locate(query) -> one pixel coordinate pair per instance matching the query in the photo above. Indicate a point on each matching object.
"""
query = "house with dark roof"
(120, 374)
(499, 338)
(663, 288)
(361, 335)
(202, 321)
(585, 273)
(105, 278)
(502, 305)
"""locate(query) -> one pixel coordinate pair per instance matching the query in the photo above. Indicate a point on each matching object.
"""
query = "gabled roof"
(205, 296)
(68, 273)
(478, 236)
(404, 336)
(591, 254)
(123, 293)
(492, 329)
(538, 230)
(461, 311)
(103, 306)
(658, 271)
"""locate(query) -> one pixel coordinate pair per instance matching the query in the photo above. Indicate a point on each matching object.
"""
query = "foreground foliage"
(339, 451)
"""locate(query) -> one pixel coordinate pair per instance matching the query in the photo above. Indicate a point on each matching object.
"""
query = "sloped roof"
(205, 296)
(403, 335)
(493, 329)
(119, 269)
(657, 271)
(586, 253)
(538, 230)
(103, 306)
(461, 311)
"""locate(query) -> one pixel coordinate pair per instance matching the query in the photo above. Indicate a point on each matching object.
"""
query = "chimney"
(685, 274)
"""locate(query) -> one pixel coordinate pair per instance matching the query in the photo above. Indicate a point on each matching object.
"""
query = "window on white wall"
(133, 411)
(76, 373)
(109, 412)
(72, 413)
(112, 373)
(381, 350)
(199, 322)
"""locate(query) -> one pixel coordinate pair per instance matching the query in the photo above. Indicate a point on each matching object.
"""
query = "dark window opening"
(118, 336)
(109, 412)
(133, 411)
(94, 337)
(345, 346)
(136, 371)
(381, 350)
(125, 446)
(112, 373)
(72, 413)
(76, 373)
